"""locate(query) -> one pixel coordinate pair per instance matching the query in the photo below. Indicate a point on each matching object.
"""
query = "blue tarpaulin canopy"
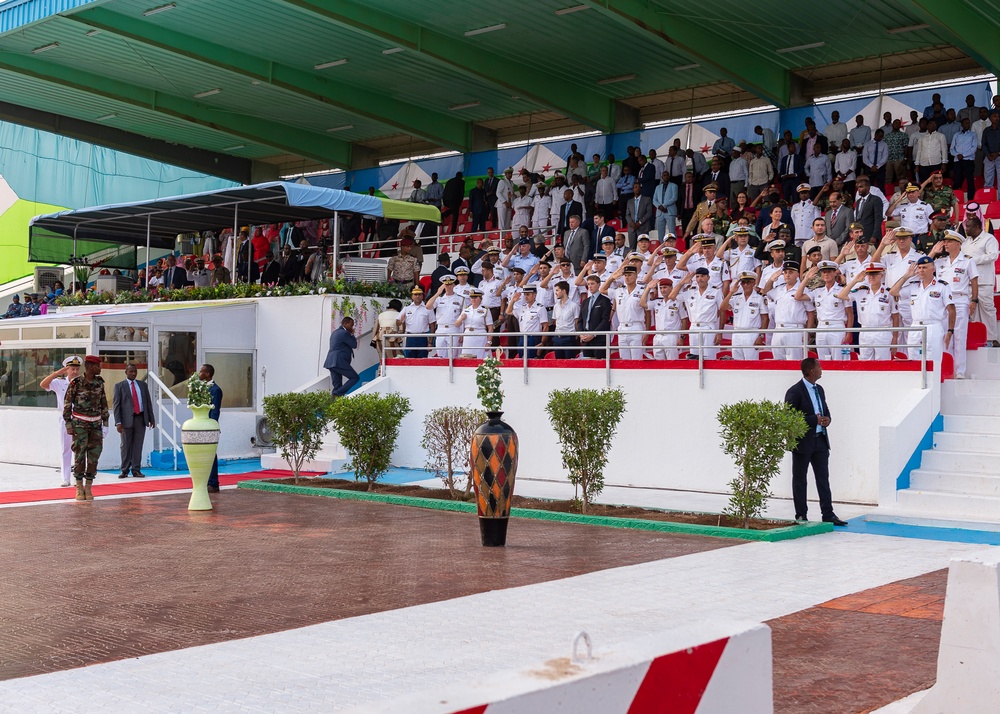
(158, 222)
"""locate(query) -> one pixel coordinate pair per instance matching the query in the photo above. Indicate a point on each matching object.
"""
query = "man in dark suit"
(454, 194)
(718, 175)
(444, 268)
(338, 359)
(569, 208)
(133, 411)
(869, 210)
(478, 206)
(808, 397)
(597, 229)
(595, 316)
(490, 186)
(638, 215)
(207, 374)
(790, 170)
(174, 277)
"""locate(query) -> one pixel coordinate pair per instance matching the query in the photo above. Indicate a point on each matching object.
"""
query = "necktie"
(135, 398)
(590, 305)
(687, 197)
(833, 218)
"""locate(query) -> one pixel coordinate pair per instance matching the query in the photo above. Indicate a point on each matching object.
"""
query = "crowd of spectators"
(818, 210)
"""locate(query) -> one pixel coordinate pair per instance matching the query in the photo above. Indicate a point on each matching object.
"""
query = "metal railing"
(164, 417)
(699, 349)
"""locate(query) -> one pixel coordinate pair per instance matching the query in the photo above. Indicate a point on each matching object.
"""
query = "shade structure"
(58, 237)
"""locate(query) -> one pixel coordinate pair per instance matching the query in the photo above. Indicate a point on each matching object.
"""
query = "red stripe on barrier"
(676, 682)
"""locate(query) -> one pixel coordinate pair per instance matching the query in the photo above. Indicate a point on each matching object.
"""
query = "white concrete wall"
(669, 435)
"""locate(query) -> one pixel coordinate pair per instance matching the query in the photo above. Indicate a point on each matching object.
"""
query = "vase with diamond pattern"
(494, 465)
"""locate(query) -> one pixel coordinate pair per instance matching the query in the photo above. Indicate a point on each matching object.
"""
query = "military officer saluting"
(475, 319)
(931, 305)
(58, 383)
(85, 412)
(832, 313)
(962, 275)
(750, 312)
(876, 308)
(447, 306)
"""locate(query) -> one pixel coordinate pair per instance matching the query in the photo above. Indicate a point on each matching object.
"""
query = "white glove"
(104, 432)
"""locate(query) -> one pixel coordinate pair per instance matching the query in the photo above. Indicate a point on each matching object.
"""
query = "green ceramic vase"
(200, 438)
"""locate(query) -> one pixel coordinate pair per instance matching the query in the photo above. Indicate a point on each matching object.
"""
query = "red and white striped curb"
(689, 671)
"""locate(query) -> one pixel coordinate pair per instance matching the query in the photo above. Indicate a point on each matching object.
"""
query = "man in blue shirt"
(963, 154)
(814, 447)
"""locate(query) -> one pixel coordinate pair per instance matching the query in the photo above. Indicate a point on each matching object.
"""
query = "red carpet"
(137, 486)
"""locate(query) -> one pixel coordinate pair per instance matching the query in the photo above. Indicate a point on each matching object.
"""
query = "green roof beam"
(973, 30)
(324, 149)
(741, 64)
(449, 132)
(567, 98)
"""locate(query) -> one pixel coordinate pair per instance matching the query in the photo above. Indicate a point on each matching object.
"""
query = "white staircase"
(332, 457)
(959, 479)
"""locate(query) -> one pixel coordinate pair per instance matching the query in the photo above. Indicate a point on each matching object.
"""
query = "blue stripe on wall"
(927, 442)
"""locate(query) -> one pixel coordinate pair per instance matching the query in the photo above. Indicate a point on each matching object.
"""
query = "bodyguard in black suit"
(570, 208)
(869, 210)
(133, 411)
(595, 316)
(814, 447)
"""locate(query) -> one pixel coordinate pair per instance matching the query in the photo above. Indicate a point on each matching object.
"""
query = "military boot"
(80, 496)
(87, 493)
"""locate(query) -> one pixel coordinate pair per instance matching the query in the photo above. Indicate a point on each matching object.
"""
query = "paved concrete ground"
(95, 582)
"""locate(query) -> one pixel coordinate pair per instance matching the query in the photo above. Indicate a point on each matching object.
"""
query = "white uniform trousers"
(446, 340)
(957, 348)
(986, 309)
(935, 342)
(665, 346)
(630, 346)
(504, 216)
(875, 345)
(789, 345)
(698, 341)
(743, 347)
(67, 453)
(475, 345)
(830, 345)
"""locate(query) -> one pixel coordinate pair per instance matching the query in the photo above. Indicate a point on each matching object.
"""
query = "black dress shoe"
(835, 521)
(122, 475)
(801, 519)
(213, 489)
(138, 474)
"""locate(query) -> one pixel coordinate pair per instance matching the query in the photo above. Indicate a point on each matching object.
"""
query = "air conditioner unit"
(367, 270)
(114, 284)
(45, 278)
(262, 433)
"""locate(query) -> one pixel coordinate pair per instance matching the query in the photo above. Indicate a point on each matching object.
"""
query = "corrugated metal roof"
(544, 71)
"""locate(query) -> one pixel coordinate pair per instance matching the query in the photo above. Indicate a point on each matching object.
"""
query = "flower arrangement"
(488, 380)
(198, 392)
(239, 290)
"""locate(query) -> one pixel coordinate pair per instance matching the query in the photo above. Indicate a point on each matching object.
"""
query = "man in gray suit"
(838, 219)
(638, 215)
(133, 411)
(576, 242)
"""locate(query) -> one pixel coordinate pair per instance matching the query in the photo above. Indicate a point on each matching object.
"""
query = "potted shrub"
(448, 432)
(200, 440)
(368, 425)
(756, 434)
(585, 422)
(494, 458)
(298, 422)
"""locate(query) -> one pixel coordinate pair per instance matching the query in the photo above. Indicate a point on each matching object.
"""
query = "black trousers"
(132, 439)
(813, 450)
(965, 172)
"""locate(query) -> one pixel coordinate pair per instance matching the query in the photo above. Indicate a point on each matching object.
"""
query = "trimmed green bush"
(368, 425)
(585, 421)
(298, 422)
(756, 435)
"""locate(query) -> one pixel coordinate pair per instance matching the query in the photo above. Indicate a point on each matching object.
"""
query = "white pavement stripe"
(338, 665)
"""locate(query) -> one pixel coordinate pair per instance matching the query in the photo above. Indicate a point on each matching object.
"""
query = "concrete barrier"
(968, 675)
(706, 668)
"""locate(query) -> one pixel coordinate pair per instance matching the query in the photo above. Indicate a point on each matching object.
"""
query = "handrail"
(171, 416)
(699, 349)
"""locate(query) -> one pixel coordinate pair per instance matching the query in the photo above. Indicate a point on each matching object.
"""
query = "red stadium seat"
(724, 355)
(766, 355)
(901, 355)
(549, 355)
(425, 282)
(812, 354)
(947, 366)
(976, 337)
(986, 195)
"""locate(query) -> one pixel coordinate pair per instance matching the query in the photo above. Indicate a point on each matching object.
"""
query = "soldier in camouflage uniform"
(85, 412)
